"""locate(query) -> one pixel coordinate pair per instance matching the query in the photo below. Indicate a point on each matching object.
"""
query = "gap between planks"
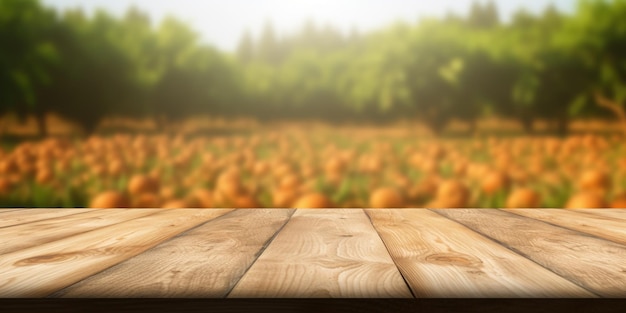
(41, 270)
(609, 213)
(263, 248)
(324, 253)
(22, 236)
(406, 281)
(595, 264)
(442, 258)
(23, 216)
(600, 226)
(205, 261)
(8, 210)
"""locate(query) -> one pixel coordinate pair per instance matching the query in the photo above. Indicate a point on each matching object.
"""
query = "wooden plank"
(8, 210)
(601, 226)
(610, 213)
(32, 215)
(204, 262)
(42, 270)
(36, 233)
(442, 258)
(597, 265)
(324, 253)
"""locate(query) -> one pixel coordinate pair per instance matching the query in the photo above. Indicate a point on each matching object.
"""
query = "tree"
(27, 57)
(267, 46)
(600, 29)
(433, 75)
(245, 49)
(562, 76)
(544, 66)
(95, 76)
(483, 16)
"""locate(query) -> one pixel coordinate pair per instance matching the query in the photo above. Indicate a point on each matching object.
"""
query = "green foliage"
(538, 66)
(27, 53)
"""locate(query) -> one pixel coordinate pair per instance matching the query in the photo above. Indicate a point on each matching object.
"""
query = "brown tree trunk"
(562, 125)
(528, 124)
(42, 126)
(436, 126)
(472, 126)
(163, 123)
(613, 106)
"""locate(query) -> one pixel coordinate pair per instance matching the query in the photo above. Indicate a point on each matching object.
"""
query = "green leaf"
(577, 105)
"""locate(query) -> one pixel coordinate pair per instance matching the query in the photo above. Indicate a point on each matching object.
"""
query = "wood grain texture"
(442, 258)
(324, 253)
(42, 270)
(36, 233)
(597, 265)
(8, 210)
(610, 213)
(600, 226)
(204, 262)
(23, 216)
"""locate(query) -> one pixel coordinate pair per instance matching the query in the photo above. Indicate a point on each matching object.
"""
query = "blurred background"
(312, 103)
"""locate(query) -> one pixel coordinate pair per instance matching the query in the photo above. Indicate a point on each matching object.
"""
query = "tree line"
(547, 66)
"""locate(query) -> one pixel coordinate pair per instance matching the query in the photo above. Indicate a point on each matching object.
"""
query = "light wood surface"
(613, 214)
(324, 253)
(595, 264)
(597, 225)
(8, 210)
(31, 215)
(42, 270)
(43, 231)
(206, 261)
(434, 256)
(310, 253)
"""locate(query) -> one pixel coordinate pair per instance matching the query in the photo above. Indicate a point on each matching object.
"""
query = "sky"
(221, 22)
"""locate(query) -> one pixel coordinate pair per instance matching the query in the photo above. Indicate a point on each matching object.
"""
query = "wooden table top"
(312, 253)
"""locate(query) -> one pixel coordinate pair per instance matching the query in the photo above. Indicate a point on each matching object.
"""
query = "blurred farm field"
(460, 111)
(247, 165)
